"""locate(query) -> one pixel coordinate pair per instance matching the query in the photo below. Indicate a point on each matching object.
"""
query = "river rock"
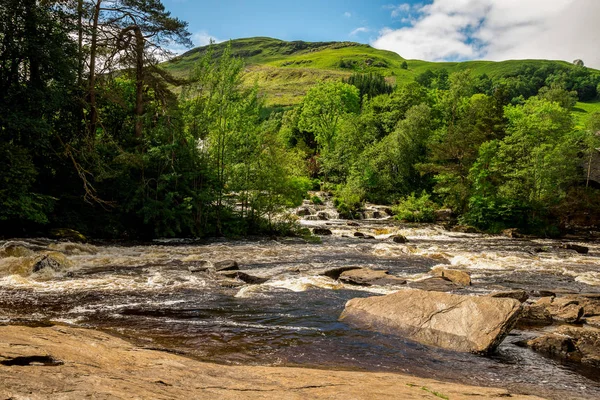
(226, 265)
(303, 212)
(323, 216)
(437, 284)
(593, 321)
(576, 247)
(553, 345)
(334, 273)
(52, 261)
(359, 234)
(590, 303)
(513, 233)
(201, 266)
(455, 322)
(68, 234)
(399, 239)
(571, 343)
(244, 277)
(443, 215)
(369, 277)
(549, 309)
(520, 295)
(465, 229)
(454, 275)
(352, 223)
(322, 232)
(20, 249)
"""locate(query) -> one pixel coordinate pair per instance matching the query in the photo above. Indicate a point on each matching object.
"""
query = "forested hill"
(285, 70)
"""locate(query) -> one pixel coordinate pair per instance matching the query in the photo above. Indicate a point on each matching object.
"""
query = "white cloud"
(202, 38)
(496, 30)
(362, 29)
(398, 10)
(347, 14)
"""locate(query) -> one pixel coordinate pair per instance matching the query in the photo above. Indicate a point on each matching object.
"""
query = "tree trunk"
(139, 81)
(92, 78)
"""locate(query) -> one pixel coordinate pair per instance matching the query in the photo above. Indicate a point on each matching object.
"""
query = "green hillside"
(285, 70)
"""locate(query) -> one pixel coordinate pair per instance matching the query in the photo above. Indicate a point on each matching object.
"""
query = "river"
(147, 294)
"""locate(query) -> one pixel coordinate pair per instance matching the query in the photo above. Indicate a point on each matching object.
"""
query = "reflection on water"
(148, 294)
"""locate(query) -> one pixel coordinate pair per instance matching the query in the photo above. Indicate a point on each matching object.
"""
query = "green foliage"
(416, 209)
(316, 200)
(17, 200)
(370, 85)
(348, 202)
(132, 153)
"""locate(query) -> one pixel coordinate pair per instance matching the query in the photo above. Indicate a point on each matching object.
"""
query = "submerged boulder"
(201, 266)
(244, 277)
(576, 247)
(455, 322)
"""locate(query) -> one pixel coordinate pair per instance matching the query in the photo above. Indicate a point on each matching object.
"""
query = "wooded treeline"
(96, 136)
(500, 153)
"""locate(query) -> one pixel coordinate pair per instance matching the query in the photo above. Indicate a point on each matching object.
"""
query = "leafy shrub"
(416, 209)
(316, 200)
(495, 214)
(348, 202)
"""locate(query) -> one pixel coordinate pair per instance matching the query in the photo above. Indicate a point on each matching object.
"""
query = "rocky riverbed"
(277, 302)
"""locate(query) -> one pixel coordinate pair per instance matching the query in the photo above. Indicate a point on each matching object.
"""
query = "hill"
(285, 70)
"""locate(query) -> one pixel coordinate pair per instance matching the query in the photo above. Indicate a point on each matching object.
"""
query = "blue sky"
(310, 20)
(434, 30)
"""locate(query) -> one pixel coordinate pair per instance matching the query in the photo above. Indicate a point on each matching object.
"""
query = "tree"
(370, 85)
(37, 74)
(324, 107)
(127, 34)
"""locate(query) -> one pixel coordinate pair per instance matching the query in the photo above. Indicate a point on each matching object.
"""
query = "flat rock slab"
(370, 277)
(92, 364)
(437, 284)
(453, 275)
(455, 322)
(520, 295)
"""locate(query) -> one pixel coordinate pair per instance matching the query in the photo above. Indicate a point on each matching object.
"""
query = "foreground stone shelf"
(68, 363)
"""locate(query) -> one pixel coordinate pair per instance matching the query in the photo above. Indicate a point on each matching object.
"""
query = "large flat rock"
(455, 322)
(94, 365)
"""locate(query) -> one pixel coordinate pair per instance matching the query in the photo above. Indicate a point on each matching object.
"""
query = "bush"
(348, 202)
(416, 209)
(316, 200)
(494, 214)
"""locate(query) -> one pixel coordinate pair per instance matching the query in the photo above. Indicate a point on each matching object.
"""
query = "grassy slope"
(286, 70)
(582, 112)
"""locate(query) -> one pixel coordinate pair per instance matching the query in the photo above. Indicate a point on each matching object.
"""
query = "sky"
(433, 30)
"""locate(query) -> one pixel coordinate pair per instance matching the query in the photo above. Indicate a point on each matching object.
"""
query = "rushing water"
(147, 293)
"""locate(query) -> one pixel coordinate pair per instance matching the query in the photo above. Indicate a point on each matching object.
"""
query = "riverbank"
(84, 363)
